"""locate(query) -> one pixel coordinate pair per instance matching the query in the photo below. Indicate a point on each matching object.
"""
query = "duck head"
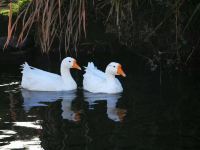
(70, 62)
(115, 69)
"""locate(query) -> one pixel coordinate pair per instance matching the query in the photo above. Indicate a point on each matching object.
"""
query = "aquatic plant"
(157, 28)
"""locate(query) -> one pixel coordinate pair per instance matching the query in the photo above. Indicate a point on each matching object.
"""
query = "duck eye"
(114, 66)
(69, 60)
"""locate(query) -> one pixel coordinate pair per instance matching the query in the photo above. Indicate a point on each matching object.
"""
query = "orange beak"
(121, 113)
(120, 71)
(77, 116)
(75, 65)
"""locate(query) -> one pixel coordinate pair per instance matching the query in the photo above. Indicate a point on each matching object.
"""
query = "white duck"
(38, 80)
(97, 81)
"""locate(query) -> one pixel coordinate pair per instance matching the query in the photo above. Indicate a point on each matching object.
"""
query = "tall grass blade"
(9, 25)
(192, 17)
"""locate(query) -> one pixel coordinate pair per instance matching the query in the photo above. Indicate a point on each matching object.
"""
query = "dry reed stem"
(9, 25)
(52, 21)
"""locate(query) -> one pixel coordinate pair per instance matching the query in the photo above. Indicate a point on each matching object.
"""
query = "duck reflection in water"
(68, 112)
(39, 99)
(113, 112)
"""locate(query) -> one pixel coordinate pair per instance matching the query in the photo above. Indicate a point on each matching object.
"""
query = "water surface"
(149, 114)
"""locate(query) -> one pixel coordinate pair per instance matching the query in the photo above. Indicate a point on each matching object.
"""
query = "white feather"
(96, 81)
(39, 80)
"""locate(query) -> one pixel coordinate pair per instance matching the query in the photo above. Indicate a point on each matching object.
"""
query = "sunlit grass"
(4, 12)
(16, 7)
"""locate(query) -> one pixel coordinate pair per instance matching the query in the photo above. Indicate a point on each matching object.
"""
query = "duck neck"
(110, 77)
(65, 74)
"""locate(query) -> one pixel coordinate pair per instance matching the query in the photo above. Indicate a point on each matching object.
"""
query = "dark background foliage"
(157, 30)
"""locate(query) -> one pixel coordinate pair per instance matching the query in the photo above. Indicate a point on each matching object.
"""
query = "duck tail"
(90, 66)
(24, 67)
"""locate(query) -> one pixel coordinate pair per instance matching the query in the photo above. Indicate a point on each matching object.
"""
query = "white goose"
(96, 81)
(38, 80)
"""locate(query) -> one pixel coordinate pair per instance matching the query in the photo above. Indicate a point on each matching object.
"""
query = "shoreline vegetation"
(162, 32)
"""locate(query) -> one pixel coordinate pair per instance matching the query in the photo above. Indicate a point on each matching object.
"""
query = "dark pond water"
(149, 115)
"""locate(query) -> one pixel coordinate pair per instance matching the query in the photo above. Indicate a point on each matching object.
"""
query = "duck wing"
(93, 71)
(26, 69)
(37, 79)
(93, 78)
